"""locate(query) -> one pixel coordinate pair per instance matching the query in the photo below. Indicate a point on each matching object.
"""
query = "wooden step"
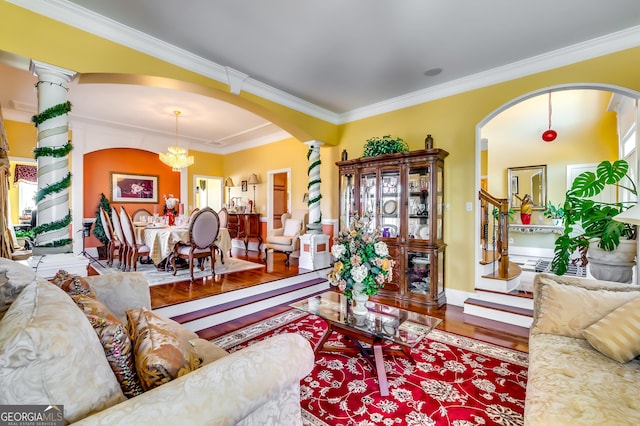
(499, 307)
(513, 272)
(514, 293)
(217, 309)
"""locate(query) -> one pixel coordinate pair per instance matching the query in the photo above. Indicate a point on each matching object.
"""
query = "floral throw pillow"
(161, 355)
(115, 341)
(72, 284)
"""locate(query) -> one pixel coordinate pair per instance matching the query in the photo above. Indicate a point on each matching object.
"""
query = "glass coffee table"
(381, 323)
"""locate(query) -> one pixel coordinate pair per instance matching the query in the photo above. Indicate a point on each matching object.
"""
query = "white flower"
(359, 273)
(338, 250)
(381, 249)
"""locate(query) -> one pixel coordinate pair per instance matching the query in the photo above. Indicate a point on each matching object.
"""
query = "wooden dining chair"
(134, 249)
(203, 232)
(113, 243)
(117, 230)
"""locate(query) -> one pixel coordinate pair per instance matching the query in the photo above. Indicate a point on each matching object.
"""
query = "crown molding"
(590, 49)
(91, 22)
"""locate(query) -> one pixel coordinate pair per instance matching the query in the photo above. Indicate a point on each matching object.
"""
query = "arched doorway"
(557, 178)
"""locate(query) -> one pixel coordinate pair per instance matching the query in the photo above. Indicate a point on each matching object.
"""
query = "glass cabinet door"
(368, 198)
(439, 201)
(348, 202)
(419, 181)
(419, 273)
(389, 218)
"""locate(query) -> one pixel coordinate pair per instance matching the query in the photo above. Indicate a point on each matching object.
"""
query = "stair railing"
(494, 231)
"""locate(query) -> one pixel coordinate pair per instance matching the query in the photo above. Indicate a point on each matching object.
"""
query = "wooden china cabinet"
(402, 195)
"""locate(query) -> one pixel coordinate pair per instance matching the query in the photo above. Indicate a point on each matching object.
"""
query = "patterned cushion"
(17, 277)
(116, 343)
(51, 355)
(567, 309)
(617, 335)
(160, 354)
(72, 284)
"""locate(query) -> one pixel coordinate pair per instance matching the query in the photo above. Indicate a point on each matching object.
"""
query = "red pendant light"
(549, 135)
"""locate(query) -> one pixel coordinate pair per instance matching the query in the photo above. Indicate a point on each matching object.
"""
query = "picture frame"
(244, 186)
(130, 188)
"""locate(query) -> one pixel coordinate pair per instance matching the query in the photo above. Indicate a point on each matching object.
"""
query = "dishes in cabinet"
(420, 261)
(393, 230)
(390, 207)
(423, 232)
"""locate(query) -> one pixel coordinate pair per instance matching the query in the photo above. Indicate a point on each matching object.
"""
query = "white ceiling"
(332, 59)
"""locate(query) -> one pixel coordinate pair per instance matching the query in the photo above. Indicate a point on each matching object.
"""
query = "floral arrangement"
(360, 256)
(384, 145)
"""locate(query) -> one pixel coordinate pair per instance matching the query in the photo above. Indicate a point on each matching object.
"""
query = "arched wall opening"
(515, 101)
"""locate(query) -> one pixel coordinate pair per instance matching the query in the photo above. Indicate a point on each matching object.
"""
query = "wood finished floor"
(454, 320)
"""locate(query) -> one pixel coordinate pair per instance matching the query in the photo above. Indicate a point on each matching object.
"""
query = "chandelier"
(176, 157)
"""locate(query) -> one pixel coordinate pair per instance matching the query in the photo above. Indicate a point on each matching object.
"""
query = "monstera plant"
(587, 221)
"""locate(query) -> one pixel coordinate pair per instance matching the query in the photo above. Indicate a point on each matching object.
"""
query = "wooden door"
(279, 198)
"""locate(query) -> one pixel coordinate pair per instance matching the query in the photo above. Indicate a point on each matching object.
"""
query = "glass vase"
(360, 297)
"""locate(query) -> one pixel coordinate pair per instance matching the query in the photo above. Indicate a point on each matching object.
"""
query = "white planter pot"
(616, 265)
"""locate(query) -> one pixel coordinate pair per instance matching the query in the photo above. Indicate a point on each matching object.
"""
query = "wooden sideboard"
(245, 226)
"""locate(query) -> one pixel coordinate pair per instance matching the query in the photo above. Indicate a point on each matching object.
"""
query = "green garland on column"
(58, 152)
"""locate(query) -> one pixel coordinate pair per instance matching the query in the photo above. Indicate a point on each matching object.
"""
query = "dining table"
(161, 239)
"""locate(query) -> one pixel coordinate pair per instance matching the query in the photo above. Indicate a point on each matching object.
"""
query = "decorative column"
(315, 214)
(314, 245)
(52, 153)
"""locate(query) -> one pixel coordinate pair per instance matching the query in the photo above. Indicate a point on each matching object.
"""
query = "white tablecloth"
(162, 240)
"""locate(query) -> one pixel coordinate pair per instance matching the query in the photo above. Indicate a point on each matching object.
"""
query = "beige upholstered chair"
(286, 239)
(223, 215)
(203, 231)
(134, 249)
(113, 243)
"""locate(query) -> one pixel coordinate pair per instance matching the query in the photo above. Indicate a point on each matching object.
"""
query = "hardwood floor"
(454, 320)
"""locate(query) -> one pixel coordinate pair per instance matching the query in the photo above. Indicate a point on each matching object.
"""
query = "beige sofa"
(50, 354)
(570, 382)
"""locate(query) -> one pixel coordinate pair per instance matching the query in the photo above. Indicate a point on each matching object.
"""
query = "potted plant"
(98, 231)
(589, 224)
(554, 212)
(384, 145)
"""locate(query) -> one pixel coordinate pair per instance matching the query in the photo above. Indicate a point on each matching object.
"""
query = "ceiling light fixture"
(177, 157)
(432, 72)
(549, 135)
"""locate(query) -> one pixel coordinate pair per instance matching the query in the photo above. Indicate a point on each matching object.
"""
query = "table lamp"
(253, 180)
(631, 215)
(228, 183)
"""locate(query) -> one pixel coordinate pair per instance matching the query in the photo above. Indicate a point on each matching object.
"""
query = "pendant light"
(549, 135)
(177, 157)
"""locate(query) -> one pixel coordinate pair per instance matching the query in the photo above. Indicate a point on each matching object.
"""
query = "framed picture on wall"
(126, 188)
(244, 186)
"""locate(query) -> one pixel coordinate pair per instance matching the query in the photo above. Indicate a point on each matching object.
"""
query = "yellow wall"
(205, 164)
(452, 121)
(285, 154)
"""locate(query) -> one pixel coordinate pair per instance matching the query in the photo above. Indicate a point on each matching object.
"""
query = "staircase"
(210, 311)
(497, 295)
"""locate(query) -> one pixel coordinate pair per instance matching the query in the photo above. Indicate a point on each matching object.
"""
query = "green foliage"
(384, 145)
(495, 212)
(98, 230)
(595, 218)
(554, 211)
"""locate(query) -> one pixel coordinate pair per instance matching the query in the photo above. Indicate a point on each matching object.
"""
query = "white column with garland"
(52, 153)
(314, 245)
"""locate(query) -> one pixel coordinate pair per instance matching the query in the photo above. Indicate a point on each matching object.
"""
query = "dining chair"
(223, 215)
(141, 215)
(134, 249)
(117, 229)
(113, 243)
(203, 232)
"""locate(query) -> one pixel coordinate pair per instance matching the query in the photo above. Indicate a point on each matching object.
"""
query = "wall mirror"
(531, 180)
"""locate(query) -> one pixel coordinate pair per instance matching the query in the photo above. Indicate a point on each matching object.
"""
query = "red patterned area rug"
(454, 380)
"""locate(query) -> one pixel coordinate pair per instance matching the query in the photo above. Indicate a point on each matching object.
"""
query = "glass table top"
(404, 327)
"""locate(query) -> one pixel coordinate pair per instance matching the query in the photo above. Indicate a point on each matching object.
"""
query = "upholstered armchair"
(286, 239)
